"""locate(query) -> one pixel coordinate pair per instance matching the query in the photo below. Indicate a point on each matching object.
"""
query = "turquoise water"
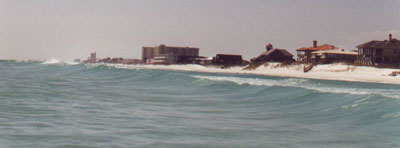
(61, 105)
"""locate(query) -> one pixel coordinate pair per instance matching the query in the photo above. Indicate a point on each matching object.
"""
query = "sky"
(69, 29)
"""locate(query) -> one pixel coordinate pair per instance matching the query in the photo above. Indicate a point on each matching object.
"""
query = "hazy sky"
(68, 29)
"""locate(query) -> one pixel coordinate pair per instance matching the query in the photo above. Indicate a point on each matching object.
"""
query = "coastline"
(335, 72)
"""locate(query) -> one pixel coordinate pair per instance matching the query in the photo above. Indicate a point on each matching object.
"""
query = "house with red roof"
(385, 52)
(304, 54)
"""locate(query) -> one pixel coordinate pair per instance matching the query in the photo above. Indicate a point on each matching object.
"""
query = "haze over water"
(69, 29)
(94, 105)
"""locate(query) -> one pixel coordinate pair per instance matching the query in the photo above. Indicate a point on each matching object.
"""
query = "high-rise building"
(92, 58)
(147, 53)
(170, 53)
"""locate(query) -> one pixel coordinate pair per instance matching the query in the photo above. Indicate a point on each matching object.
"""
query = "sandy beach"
(338, 71)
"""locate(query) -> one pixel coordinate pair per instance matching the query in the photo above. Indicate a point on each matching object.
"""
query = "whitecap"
(304, 83)
(391, 115)
(58, 62)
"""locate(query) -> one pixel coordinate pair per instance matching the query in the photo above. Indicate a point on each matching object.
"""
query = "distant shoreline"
(332, 72)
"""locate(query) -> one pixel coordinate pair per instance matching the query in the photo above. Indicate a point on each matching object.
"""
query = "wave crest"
(54, 61)
(304, 83)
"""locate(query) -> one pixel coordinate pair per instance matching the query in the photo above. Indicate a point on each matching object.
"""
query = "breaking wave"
(99, 100)
(306, 84)
(53, 61)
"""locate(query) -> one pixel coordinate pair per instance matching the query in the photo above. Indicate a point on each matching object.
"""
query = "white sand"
(326, 72)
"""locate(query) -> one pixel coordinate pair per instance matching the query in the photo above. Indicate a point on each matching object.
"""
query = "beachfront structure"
(274, 55)
(119, 61)
(385, 52)
(228, 59)
(203, 60)
(167, 54)
(131, 61)
(304, 54)
(182, 59)
(162, 59)
(110, 60)
(92, 58)
(147, 53)
(331, 56)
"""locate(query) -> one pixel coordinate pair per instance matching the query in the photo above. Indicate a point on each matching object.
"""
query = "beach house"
(274, 55)
(228, 59)
(386, 52)
(189, 59)
(304, 54)
(332, 56)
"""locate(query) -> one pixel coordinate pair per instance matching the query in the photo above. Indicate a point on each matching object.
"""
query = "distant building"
(162, 59)
(304, 53)
(119, 61)
(147, 53)
(274, 55)
(228, 59)
(131, 61)
(92, 58)
(170, 54)
(110, 60)
(331, 56)
(385, 52)
(182, 59)
(203, 60)
(77, 60)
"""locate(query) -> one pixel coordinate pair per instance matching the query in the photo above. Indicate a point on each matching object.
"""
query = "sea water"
(56, 104)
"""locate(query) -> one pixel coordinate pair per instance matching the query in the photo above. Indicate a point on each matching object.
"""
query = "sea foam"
(303, 83)
(58, 62)
(341, 72)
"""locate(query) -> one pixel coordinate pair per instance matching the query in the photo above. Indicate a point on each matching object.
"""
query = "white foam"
(303, 83)
(51, 61)
(392, 115)
(253, 81)
(58, 62)
(326, 72)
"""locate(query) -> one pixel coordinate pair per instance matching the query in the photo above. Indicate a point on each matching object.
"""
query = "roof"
(204, 58)
(283, 51)
(394, 43)
(171, 47)
(230, 55)
(190, 56)
(177, 47)
(342, 52)
(320, 47)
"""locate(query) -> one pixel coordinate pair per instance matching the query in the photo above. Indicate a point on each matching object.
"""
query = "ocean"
(56, 104)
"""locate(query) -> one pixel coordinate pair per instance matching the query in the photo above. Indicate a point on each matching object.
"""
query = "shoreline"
(332, 72)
